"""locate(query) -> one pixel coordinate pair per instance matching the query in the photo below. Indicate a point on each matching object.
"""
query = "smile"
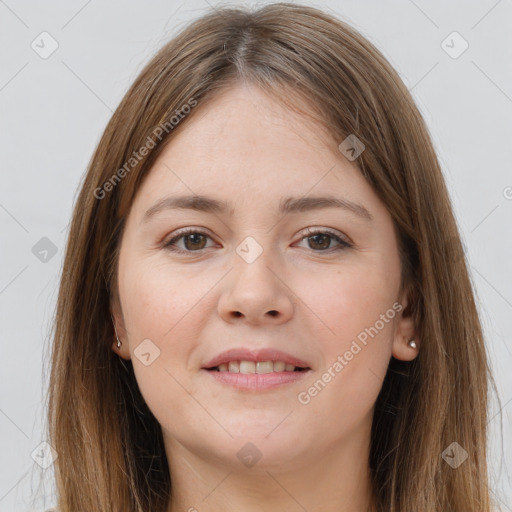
(257, 381)
(260, 367)
(256, 370)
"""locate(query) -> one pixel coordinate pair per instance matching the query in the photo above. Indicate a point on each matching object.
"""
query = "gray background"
(53, 111)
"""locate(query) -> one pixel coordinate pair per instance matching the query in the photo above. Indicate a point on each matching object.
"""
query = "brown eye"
(321, 241)
(193, 241)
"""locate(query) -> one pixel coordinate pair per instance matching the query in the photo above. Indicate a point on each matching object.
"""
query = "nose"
(254, 293)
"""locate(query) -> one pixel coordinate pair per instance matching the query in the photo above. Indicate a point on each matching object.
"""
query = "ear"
(405, 330)
(118, 326)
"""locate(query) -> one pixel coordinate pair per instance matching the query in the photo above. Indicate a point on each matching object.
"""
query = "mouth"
(263, 360)
(258, 367)
(263, 369)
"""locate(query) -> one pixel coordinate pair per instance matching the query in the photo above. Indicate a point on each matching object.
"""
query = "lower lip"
(257, 381)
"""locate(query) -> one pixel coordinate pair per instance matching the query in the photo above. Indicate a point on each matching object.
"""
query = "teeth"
(264, 367)
(234, 366)
(279, 366)
(252, 367)
(247, 367)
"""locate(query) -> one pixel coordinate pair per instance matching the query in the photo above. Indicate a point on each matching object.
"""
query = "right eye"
(193, 240)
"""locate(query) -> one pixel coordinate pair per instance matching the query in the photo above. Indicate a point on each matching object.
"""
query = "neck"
(337, 480)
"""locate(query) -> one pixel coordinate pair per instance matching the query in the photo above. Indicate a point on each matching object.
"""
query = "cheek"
(158, 305)
(171, 308)
(349, 300)
(156, 298)
(355, 320)
(343, 401)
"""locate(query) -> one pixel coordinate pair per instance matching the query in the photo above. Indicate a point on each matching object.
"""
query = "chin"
(272, 447)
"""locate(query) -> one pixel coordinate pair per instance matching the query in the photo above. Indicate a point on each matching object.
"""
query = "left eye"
(196, 238)
(322, 240)
(194, 241)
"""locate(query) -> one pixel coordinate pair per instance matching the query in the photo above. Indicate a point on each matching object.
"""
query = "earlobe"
(406, 343)
(115, 330)
(117, 345)
(405, 349)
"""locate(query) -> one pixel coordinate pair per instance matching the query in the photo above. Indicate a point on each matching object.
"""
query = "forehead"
(246, 145)
(245, 121)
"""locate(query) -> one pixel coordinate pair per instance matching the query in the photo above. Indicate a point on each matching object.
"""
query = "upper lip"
(256, 355)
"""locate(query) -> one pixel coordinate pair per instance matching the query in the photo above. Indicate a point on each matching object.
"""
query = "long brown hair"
(110, 448)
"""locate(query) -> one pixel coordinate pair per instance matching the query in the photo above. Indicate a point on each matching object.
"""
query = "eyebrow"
(286, 205)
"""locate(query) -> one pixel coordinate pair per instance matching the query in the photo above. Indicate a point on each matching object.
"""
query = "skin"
(248, 149)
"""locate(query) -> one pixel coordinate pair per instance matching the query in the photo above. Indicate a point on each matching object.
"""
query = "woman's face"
(268, 272)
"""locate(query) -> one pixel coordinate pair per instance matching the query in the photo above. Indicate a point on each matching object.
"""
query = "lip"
(257, 381)
(258, 355)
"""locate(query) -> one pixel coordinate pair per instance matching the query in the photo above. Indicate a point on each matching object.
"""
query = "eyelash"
(310, 232)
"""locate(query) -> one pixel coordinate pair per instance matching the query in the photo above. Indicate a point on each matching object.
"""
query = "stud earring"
(117, 337)
(412, 344)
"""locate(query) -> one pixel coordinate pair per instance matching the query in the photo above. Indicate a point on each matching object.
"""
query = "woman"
(265, 303)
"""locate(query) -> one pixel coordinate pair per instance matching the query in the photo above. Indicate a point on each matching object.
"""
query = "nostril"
(273, 312)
